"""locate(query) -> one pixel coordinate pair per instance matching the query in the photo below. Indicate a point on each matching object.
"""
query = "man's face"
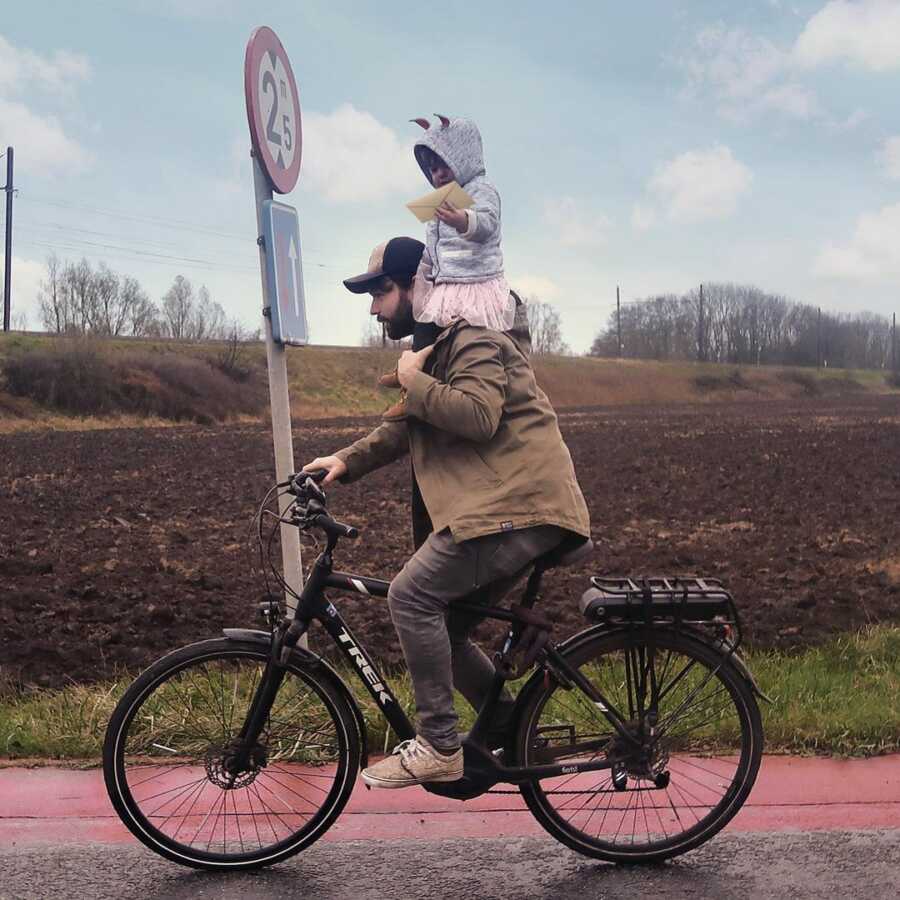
(392, 305)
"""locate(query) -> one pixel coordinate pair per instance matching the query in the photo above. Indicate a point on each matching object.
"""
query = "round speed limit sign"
(273, 109)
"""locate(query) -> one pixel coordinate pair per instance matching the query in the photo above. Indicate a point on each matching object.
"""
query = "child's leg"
(425, 334)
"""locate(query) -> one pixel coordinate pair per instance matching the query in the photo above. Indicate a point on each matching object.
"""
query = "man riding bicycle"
(493, 489)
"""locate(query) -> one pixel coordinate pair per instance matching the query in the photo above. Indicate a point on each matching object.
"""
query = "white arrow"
(292, 254)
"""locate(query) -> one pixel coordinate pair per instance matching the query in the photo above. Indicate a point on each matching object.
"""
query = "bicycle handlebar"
(304, 486)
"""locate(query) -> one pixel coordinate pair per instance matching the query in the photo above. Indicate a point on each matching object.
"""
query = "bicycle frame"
(314, 606)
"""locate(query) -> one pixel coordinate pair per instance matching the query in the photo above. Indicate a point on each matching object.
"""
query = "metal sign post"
(273, 113)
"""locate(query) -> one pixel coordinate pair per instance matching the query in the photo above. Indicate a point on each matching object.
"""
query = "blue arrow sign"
(284, 273)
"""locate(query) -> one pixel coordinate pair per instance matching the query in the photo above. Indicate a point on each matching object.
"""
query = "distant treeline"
(733, 323)
(76, 298)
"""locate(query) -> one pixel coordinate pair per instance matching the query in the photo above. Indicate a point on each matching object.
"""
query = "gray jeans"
(435, 639)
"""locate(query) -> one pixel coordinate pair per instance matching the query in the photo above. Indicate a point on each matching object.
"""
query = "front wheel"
(166, 758)
(697, 754)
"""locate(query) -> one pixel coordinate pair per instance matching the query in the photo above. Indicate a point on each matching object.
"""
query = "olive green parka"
(487, 454)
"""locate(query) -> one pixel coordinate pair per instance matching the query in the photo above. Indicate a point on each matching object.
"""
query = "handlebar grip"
(330, 526)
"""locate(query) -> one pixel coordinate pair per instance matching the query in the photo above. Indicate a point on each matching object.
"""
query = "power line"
(167, 223)
(44, 226)
(186, 262)
(128, 217)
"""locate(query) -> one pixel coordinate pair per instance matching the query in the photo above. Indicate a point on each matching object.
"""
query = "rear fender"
(313, 663)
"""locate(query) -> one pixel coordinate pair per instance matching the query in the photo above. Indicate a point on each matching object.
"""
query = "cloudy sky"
(653, 145)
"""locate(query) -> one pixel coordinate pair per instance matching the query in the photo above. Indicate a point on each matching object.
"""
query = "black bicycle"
(635, 740)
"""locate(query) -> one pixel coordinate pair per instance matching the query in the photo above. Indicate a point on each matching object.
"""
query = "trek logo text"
(366, 668)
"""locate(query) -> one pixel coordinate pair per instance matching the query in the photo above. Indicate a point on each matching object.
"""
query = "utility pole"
(894, 344)
(701, 355)
(819, 341)
(618, 324)
(7, 262)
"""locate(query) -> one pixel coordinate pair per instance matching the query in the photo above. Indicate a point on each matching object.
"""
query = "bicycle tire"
(162, 758)
(698, 686)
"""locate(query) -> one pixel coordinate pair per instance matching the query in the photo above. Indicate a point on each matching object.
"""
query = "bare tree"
(53, 298)
(108, 319)
(544, 325)
(178, 306)
(207, 319)
(141, 315)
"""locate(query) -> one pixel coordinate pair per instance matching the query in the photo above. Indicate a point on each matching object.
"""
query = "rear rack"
(663, 600)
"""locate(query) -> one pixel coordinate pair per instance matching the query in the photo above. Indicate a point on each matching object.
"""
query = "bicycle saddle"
(574, 549)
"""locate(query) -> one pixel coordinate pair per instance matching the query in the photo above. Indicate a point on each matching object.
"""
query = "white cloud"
(890, 157)
(696, 186)
(871, 254)
(41, 145)
(350, 157)
(642, 217)
(573, 227)
(535, 286)
(734, 64)
(792, 99)
(866, 33)
(20, 69)
(745, 75)
(854, 120)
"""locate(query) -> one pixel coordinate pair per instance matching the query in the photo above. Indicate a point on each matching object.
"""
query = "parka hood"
(458, 144)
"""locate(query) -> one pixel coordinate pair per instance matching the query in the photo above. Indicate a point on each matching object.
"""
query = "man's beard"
(402, 324)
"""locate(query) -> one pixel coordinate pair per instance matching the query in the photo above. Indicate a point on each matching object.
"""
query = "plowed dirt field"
(118, 545)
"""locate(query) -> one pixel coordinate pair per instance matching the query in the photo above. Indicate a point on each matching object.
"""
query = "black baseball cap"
(398, 256)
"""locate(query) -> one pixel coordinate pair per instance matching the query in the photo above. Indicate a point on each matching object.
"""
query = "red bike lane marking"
(53, 805)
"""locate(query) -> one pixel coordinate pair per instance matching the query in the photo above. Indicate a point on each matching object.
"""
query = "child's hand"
(450, 215)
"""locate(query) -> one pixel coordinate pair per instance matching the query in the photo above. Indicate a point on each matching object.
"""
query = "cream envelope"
(423, 208)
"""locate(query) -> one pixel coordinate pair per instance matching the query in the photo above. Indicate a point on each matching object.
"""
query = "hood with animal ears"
(457, 142)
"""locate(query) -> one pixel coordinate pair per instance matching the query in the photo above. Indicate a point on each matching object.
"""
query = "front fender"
(321, 667)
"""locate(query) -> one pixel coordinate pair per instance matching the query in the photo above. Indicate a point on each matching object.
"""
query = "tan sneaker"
(396, 412)
(391, 380)
(414, 762)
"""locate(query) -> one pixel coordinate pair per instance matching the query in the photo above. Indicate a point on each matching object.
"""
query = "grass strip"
(836, 699)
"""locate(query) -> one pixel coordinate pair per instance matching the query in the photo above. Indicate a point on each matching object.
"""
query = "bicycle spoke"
(195, 797)
(656, 791)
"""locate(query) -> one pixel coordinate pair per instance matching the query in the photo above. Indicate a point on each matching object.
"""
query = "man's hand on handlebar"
(334, 466)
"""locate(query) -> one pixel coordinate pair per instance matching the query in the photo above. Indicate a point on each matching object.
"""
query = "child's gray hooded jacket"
(475, 254)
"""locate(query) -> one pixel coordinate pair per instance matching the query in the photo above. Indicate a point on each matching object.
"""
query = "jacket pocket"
(480, 469)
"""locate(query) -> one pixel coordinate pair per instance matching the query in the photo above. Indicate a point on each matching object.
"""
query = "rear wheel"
(166, 758)
(698, 752)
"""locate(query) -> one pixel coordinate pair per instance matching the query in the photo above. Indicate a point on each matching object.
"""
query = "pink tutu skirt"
(486, 304)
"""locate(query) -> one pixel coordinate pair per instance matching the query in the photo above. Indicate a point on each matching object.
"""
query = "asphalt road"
(829, 865)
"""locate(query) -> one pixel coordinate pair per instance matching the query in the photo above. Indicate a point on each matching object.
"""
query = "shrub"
(733, 381)
(73, 375)
(78, 376)
(810, 385)
(892, 379)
